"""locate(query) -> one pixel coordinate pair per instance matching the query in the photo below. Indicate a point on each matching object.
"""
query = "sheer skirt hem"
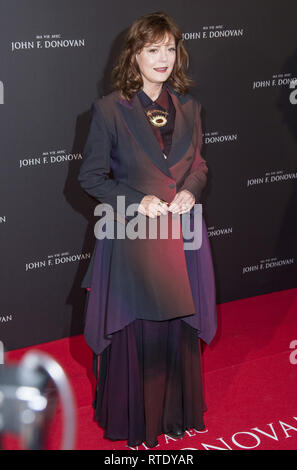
(150, 382)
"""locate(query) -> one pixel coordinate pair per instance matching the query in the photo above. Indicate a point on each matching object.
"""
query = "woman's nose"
(163, 55)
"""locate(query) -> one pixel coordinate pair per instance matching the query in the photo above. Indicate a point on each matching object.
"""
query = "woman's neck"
(153, 91)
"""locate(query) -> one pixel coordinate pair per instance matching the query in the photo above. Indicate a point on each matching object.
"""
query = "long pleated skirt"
(149, 382)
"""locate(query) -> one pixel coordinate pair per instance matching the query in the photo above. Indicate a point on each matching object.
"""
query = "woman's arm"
(94, 171)
(197, 178)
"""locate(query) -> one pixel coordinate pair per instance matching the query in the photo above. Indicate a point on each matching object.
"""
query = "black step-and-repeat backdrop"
(56, 58)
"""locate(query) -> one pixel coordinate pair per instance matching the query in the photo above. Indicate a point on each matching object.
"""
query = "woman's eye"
(171, 49)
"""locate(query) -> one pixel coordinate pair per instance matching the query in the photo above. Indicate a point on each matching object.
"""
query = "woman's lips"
(161, 69)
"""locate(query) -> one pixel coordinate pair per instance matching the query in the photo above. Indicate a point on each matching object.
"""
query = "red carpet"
(250, 381)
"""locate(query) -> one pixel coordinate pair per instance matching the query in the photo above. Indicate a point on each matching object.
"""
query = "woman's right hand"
(152, 206)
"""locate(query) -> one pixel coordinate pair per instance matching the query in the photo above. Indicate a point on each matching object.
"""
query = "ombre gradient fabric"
(150, 382)
(117, 295)
(150, 279)
(149, 379)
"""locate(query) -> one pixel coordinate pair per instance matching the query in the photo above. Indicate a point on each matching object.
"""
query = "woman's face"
(156, 61)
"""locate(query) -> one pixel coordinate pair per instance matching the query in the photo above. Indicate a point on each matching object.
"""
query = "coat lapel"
(139, 126)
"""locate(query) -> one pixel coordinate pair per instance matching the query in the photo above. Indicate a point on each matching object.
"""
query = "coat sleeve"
(197, 178)
(94, 172)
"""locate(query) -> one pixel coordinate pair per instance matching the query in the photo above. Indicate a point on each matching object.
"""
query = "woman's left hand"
(182, 202)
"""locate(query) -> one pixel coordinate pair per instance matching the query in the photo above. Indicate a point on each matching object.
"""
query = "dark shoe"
(178, 434)
(151, 445)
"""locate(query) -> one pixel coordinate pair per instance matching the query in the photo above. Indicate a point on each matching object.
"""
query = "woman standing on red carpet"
(149, 299)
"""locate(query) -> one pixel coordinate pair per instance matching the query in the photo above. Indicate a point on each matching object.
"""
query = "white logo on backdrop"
(271, 177)
(218, 232)
(277, 80)
(269, 263)
(57, 259)
(47, 41)
(49, 158)
(215, 138)
(214, 32)
(6, 318)
(1, 93)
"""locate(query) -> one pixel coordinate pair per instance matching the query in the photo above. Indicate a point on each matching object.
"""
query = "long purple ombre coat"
(152, 279)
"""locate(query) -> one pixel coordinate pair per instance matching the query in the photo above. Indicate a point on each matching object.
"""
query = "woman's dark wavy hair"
(148, 29)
